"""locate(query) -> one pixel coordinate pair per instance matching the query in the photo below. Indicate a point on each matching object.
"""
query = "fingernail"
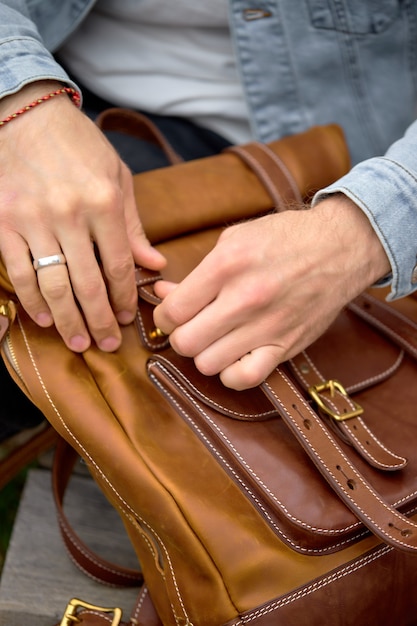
(125, 317)
(44, 319)
(79, 343)
(109, 344)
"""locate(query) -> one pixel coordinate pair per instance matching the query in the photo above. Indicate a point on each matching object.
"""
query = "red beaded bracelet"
(72, 93)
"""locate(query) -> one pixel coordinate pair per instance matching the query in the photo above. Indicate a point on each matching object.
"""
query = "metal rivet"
(255, 14)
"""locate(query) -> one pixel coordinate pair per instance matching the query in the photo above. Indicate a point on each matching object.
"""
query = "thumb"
(163, 287)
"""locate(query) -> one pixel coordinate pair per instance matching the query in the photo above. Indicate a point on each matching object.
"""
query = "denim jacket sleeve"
(385, 188)
(24, 57)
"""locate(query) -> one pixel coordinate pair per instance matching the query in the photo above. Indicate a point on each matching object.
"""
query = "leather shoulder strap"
(390, 322)
(87, 560)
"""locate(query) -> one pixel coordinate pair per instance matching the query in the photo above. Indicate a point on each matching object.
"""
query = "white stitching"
(391, 510)
(244, 486)
(98, 614)
(359, 385)
(208, 400)
(315, 586)
(139, 605)
(150, 345)
(99, 471)
(378, 377)
(365, 451)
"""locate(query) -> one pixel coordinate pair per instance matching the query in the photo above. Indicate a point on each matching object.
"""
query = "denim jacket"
(305, 62)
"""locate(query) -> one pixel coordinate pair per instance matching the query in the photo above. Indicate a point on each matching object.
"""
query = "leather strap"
(403, 332)
(271, 172)
(339, 403)
(392, 323)
(87, 560)
(136, 125)
(380, 517)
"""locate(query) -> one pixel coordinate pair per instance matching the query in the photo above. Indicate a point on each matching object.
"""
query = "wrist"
(26, 94)
(360, 249)
(37, 97)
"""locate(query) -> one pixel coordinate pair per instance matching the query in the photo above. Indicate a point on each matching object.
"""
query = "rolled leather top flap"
(221, 189)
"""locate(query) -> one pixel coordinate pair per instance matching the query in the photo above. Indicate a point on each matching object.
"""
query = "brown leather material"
(220, 190)
(383, 520)
(361, 592)
(269, 168)
(204, 403)
(230, 518)
(354, 430)
(88, 561)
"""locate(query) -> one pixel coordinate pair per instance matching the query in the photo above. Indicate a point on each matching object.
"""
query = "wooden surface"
(39, 578)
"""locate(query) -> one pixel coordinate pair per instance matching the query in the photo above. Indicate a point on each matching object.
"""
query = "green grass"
(9, 502)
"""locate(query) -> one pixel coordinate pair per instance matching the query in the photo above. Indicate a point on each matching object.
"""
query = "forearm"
(385, 188)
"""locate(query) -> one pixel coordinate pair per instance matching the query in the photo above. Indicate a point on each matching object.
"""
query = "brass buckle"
(156, 333)
(7, 309)
(331, 386)
(70, 616)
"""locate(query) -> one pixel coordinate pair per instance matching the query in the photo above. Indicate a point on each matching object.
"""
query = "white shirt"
(165, 57)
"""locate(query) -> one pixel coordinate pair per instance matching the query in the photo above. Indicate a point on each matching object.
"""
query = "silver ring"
(45, 261)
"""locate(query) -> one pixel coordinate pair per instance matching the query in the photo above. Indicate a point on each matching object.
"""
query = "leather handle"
(269, 168)
(382, 519)
(137, 125)
(271, 172)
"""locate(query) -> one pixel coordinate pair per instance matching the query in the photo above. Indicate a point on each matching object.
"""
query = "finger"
(200, 335)
(18, 261)
(76, 293)
(56, 288)
(230, 316)
(164, 287)
(90, 291)
(105, 225)
(252, 369)
(184, 302)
